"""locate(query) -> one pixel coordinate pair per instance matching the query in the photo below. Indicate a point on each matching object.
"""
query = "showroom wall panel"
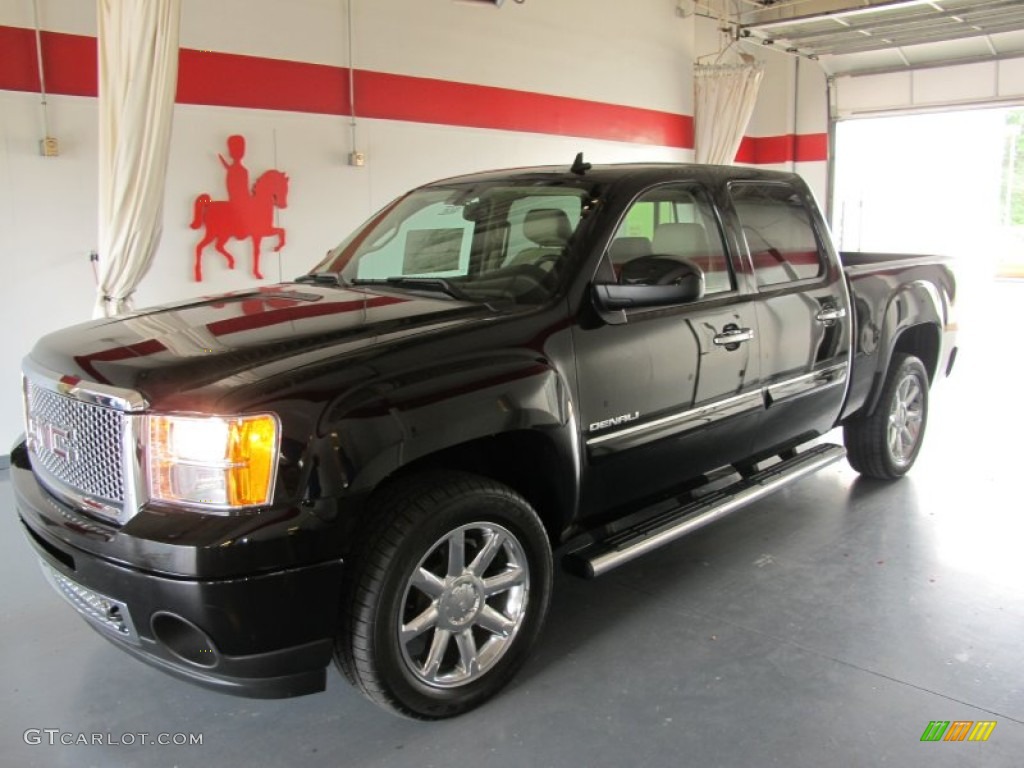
(628, 66)
(932, 88)
(789, 129)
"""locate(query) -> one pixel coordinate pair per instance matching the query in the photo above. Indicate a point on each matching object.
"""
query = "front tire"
(448, 591)
(885, 444)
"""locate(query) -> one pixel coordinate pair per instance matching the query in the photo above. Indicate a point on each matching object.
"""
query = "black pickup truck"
(374, 463)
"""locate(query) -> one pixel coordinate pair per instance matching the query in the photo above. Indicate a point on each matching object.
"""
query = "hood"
(179, 350)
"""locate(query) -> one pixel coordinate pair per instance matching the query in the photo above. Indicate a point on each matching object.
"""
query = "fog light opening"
(185, 640)
(113, 615)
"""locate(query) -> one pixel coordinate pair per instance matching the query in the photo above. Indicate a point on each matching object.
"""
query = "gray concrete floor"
(823, 627)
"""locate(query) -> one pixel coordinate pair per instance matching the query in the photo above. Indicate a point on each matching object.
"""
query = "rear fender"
(915, 304)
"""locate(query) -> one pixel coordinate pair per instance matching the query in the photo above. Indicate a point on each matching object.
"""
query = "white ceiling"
(850, 37)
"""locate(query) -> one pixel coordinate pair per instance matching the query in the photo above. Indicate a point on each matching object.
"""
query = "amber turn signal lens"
(252, 445)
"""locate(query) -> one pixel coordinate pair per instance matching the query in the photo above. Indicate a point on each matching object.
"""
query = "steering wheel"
(677, 274)
(658, 270)
(535, 272)
(551, 259)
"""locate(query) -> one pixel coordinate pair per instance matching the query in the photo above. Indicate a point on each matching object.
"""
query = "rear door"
(802, 311)
(674, 391)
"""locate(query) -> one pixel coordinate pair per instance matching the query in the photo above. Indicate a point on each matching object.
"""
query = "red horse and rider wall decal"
(245, 214)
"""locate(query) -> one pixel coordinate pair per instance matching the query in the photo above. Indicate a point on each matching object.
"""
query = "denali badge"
(623, 419)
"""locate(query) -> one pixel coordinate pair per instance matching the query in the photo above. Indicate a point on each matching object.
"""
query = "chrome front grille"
(77, 444)
(83, 440)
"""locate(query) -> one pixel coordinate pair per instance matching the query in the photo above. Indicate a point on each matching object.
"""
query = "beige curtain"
(138, 76)
(724, 98)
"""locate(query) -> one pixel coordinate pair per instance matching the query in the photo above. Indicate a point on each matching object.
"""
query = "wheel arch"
(912, 324)
(921, 341)
(510, 420)
(528, 461)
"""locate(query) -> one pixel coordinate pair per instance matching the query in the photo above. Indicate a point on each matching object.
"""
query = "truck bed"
(914, 286)
(862, 262)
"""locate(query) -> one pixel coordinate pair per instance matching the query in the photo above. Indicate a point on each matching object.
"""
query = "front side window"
(479, 242)
(665, 228)
(779, 233)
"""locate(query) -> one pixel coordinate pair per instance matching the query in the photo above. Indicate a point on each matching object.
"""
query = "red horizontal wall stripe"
(233, 80)
(69, 61)
(425, 100)
(71, 64)
(18, 71)
(800, 148)
(811, 147)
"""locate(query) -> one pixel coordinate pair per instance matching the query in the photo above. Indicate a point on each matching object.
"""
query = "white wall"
(792, 100)
(637, 54)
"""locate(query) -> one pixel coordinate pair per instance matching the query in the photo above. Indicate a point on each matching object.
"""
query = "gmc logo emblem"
(60, 441)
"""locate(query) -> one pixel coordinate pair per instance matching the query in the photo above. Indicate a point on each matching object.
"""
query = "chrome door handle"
(830, 314)
(733, 336)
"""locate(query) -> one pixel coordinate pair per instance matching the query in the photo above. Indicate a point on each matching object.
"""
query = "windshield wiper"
(438, 284)
(326, 278)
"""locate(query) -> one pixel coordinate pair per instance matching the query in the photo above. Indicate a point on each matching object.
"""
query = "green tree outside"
(1013, 170)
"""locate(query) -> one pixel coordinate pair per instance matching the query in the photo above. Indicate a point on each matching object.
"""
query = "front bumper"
(268, 635)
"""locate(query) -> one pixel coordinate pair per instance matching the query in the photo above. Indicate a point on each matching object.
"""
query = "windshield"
(479, 242)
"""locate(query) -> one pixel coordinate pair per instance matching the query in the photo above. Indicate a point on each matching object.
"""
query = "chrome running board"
(666, 526)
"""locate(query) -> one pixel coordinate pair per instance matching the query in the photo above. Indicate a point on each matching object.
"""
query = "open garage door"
(861, 36)
(945, 182)
(950, 183)
(885, 58)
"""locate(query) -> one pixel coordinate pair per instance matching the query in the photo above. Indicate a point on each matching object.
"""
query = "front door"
(674, 391)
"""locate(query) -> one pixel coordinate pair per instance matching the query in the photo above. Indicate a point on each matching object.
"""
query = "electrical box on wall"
(357, 159)
(49, 147)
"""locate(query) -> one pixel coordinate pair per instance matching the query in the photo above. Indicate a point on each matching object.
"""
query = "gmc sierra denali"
(374, 463)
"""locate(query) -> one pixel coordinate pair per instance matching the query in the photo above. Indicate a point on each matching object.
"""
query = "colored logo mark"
(958, 730)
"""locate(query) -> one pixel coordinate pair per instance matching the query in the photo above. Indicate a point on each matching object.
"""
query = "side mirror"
(686, 284)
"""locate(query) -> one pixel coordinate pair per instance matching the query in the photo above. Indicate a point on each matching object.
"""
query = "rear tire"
(885, 444)
(447, 593)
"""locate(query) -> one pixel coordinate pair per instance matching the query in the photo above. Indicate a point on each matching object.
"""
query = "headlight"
(210, 461)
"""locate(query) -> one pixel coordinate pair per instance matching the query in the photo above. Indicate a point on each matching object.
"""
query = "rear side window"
(778, 230)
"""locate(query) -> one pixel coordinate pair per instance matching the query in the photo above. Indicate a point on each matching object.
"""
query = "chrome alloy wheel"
(463, 605)
(906, 419)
